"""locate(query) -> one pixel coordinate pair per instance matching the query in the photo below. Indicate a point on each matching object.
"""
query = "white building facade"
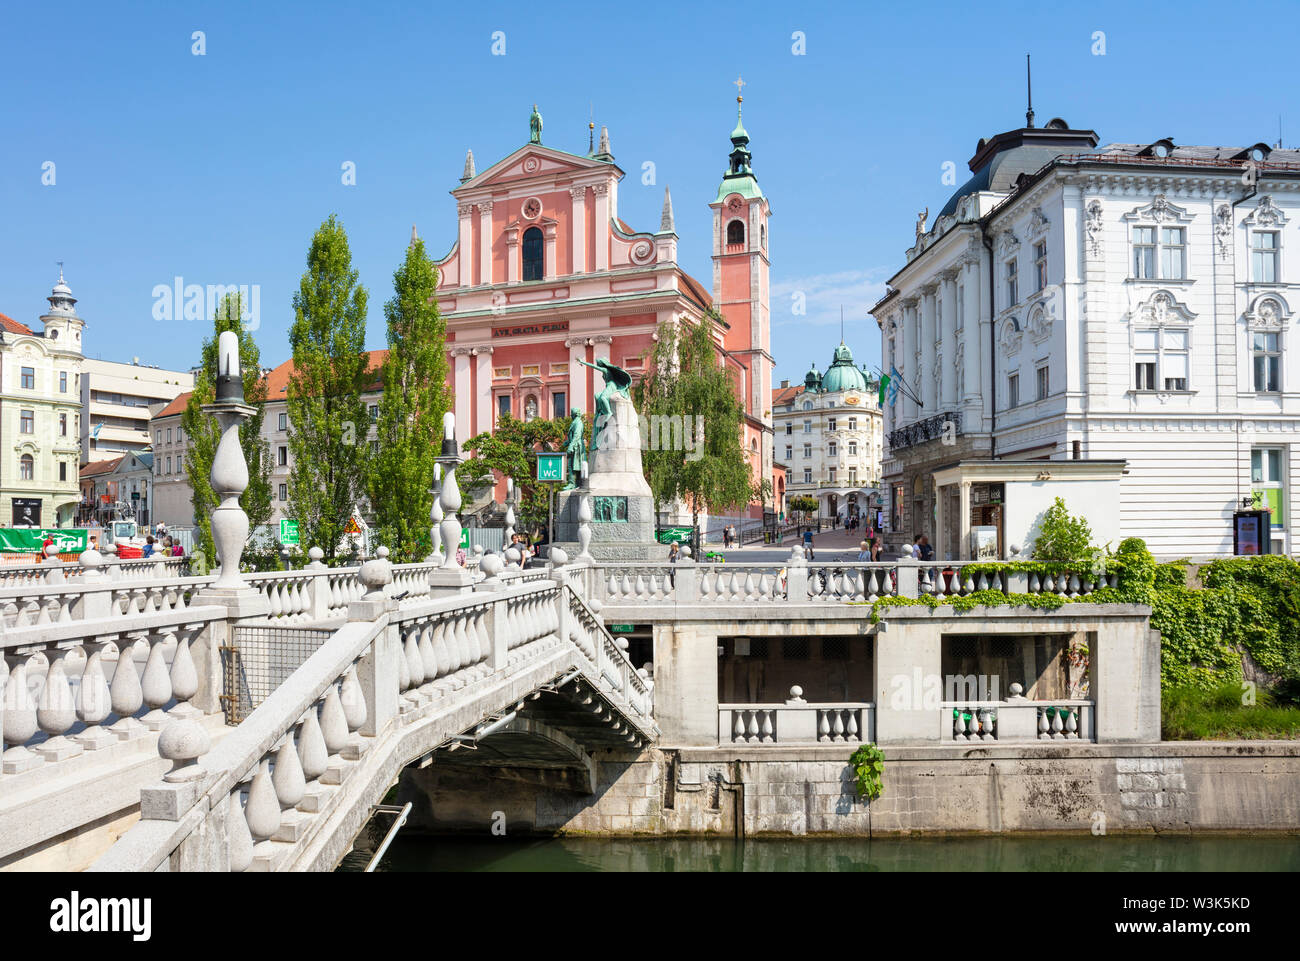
(118, 401)
(1129, 302)
(828, 434)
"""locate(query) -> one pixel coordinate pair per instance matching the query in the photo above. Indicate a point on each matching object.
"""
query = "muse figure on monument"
(617, 384)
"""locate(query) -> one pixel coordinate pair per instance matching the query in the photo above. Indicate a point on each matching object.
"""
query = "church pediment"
(529, 162)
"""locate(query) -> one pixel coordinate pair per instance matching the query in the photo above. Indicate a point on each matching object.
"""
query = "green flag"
(884, 385)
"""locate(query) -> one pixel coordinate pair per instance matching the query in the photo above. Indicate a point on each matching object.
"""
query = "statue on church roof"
(921, 218)
(535, 126)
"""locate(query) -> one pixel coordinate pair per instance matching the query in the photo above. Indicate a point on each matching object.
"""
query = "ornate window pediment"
(1159, 211)
(1007, 244)
(1010, 336)
(1038, 223)
(1163, 308)
(1268, 312)
(1266, 214)
(1040, 322)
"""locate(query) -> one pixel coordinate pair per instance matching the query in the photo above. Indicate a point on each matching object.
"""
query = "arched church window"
(762, 236)
(736, 232)
(532, 254)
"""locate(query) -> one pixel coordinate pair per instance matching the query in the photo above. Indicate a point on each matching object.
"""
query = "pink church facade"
(544, 273)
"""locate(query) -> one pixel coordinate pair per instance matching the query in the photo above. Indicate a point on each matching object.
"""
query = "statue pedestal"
(623, 510)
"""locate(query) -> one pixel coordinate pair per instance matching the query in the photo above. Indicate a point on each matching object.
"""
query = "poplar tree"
(203, 432)
(410, 411)
(327, 417)
(685, 378)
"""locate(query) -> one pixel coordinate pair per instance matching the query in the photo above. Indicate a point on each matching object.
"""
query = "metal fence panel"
(258, 660)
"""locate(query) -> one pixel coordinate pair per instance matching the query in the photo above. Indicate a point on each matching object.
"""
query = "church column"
(483, 390)
(464, 393)
(578, 229)
(512, 255)
(948, 375)
(602, 344)
(602, 226)
(465, 233)
(548, 236)
(485, 240)
(578, 374)
(929, 390)
(972, 342)
(963, 521)
(987, 389)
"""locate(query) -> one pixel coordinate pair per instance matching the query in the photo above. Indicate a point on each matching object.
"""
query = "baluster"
(125, 693)
(767, 731)
(353, 701)
(852, 729)
(837, 729)
(414, 662)
(156, 686)
(93, 701)
(263, 809)
(1042, 724)
(289, 781)
(312, 752)
(1034, 586)
(403, 679)
(55, 710)
(427, 659)
(241, 841)
(19, 718)
(752, 733)
(823, 725)
(738, 725)
(442, 649)
(1071, 723)
(1057, 726)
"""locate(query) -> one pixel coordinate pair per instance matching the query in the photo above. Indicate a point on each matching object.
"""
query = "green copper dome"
(843, 375)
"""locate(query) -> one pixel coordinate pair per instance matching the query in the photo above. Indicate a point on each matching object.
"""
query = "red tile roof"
(175, 407)
(783, 395)
(277, 380)
(12, 326)
(100, 466)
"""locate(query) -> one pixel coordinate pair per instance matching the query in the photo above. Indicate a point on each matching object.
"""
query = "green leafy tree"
(204, 435)
(804, 506)
(507, 451)
(686, 382)
(327, 418)
(1062, 537)
(410, 412)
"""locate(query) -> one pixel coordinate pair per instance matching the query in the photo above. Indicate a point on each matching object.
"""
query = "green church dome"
(842, 374)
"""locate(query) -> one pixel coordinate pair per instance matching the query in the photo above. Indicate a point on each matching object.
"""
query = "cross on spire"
(739, 83)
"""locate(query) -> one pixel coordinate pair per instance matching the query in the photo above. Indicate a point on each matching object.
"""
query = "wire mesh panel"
(258, 660)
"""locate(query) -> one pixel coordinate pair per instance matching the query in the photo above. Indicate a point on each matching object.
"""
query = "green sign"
(464, 539)
(289, 536)
(28, 540)
(620, 628)
(551, 467)
(674, 535)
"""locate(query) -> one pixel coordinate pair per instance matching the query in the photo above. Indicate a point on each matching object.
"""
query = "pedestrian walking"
(864, 551)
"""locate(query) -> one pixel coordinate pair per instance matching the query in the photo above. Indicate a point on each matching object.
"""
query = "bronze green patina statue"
(617, 382)
(576, 450)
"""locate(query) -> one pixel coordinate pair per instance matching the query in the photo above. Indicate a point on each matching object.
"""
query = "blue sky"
(218, 168)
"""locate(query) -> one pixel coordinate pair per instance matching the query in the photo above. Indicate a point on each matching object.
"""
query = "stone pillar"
(378, 670)
(940, 538)
(929, 390)
(948, 377)
(987, 388)
(450, 578)
(485, 240)
(686, 684)
(908, 675)
(578, 375)
(578, 229)
(512, 255)
(1126, 680)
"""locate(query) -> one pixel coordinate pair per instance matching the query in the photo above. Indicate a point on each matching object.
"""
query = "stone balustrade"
(1017, 719)
(283, 773)
(796, 722)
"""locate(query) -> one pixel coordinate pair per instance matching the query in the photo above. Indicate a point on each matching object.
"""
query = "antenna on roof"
(591, 128)
(1029, 87)
(1279, 131)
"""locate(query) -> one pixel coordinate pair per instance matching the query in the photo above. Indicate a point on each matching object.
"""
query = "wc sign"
(551, 467)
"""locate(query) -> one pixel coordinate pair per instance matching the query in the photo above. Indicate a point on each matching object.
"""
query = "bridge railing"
(275, 780)
(49, 572)
(796, 722)
(802, 581)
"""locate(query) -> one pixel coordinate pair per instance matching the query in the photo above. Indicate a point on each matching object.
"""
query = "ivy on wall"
(1247, 605)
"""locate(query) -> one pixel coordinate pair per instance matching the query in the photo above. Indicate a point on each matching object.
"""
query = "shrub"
(868, 764)
(1062, 537)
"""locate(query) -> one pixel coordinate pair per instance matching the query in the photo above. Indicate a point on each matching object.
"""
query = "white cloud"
(821, 296)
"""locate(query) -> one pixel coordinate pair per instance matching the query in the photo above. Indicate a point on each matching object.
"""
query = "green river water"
(1166, 854)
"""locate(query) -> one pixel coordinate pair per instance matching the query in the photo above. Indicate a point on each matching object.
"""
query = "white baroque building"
(1130, 303)
(829, 437)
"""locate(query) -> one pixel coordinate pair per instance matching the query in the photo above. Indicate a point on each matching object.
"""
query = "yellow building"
(40, 416)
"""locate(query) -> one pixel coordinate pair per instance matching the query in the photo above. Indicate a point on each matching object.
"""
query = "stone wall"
(1230, 786)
